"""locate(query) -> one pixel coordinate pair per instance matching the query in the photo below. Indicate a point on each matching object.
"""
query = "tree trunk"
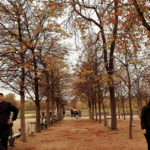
(36, 89)
(113, 108)
(60, 111)
(48, 99)
(38, 123)
(22, 109)
(58, 114)
(139, 101)
(123, 108)
(47, 110)
(99, 108)
(89, 105)
(118, 110)
(22, 85)
(130, 103)
(103, 106)
(131, 118)
(95, 110)
(100, 95)
(53, 108)
(109, 65)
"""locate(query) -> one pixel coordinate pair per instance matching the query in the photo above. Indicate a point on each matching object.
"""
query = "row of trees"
(32, 58)
(115, 44)
(114, 35)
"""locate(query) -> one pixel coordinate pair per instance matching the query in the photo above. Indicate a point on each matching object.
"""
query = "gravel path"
(84, 134)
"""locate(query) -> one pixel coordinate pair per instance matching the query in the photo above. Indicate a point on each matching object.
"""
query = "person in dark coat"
(145, 123)
(5, 122)
(71, 112)
(63, 113)
(77, 113)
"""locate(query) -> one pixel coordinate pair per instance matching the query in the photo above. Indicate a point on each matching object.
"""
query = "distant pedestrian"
(50, 113)
(71, 111)
(43, 114)
(77, 113)
(63, 113)
(74, 112)
(80, 113)
(5, 122)
(145, 123)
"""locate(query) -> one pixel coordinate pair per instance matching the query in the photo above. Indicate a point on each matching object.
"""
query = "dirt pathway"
(85, 135)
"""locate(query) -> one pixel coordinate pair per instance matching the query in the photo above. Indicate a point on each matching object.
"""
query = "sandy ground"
(84, 134)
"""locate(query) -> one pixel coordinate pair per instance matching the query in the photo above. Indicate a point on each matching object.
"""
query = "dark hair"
(1, 94)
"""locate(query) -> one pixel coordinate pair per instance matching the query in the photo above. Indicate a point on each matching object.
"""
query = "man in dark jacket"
(145, 123)
(5, 109)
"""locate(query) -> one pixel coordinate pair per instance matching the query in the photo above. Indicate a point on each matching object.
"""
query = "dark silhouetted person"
(63, 113)
(74, 112)
(145, 123)
(5, 122)
(77, 113)
(71, 112)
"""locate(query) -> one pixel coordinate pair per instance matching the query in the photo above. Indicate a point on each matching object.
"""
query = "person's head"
(1, 97)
